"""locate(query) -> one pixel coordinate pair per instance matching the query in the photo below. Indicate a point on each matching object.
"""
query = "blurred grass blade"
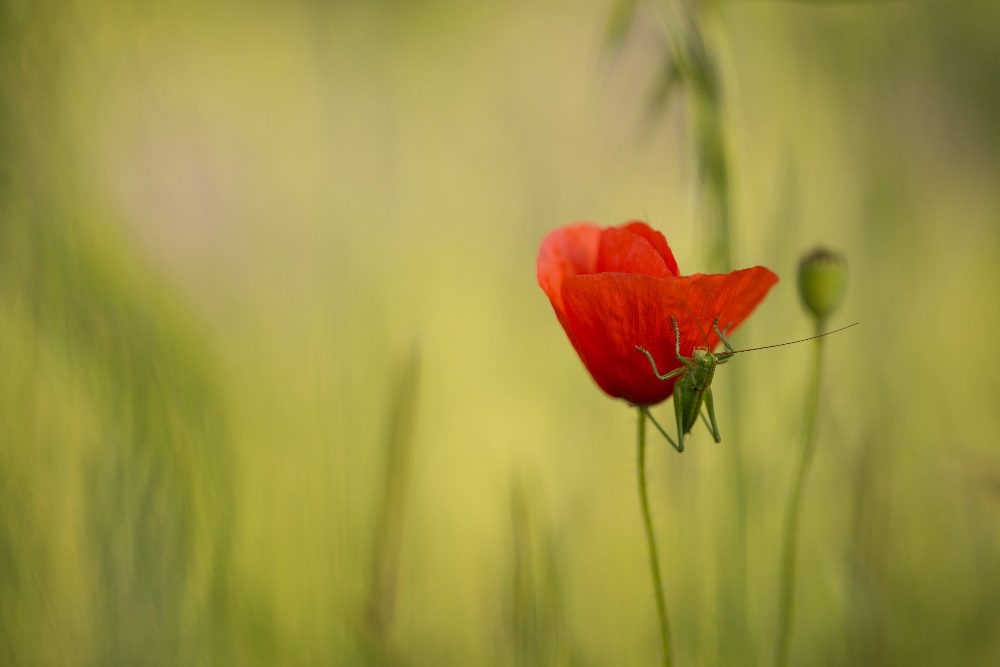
(619, 24)
(669, 81)
(535, 612)
(400, 422)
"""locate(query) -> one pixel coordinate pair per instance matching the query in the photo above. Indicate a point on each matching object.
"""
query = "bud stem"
(786, 611)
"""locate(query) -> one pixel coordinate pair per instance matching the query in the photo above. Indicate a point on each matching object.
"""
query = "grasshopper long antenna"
(793, 342)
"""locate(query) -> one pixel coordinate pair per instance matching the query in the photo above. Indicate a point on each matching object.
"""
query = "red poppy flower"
(615, 288)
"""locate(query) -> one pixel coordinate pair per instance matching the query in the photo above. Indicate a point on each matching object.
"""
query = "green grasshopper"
(694, 388)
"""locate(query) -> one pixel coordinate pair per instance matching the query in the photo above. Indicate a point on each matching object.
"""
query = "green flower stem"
(654, 560)
(786, 612)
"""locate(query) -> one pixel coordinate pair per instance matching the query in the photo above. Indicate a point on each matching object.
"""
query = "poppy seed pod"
(822, 281)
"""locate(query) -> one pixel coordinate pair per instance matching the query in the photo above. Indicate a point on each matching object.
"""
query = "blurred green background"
(277, 384)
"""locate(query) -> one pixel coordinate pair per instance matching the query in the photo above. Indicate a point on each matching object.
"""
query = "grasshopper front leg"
(722, 336)
(677, 345)
(672, 374)
(677, 351)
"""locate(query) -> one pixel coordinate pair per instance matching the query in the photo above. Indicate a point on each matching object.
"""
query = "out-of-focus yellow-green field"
(278, 386)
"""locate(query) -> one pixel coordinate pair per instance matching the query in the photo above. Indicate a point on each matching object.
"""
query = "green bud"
(822, 281)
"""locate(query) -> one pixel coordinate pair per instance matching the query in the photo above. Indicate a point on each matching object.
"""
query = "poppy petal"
(567, 251)
(609, 314)
(729, 296)
(624, 252)
(655, 239)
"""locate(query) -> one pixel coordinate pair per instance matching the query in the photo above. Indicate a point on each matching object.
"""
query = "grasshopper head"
(700, 354)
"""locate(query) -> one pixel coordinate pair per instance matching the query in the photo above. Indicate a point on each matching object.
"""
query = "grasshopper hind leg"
(679, 414)
(662, 432)
(710, 406)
